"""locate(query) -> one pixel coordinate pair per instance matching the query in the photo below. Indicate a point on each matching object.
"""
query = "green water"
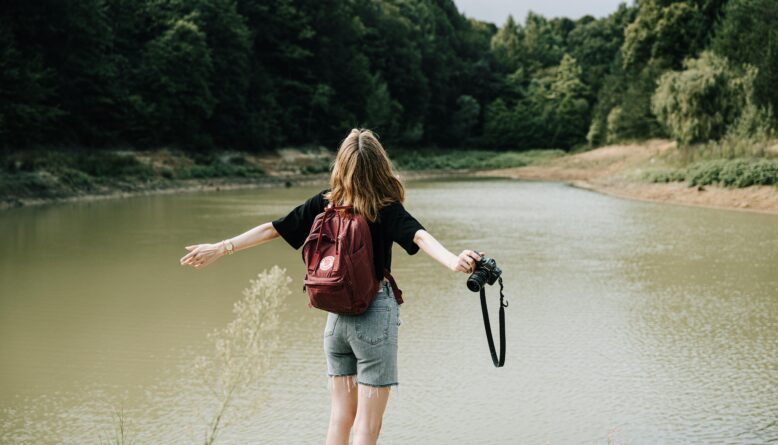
(648, 322)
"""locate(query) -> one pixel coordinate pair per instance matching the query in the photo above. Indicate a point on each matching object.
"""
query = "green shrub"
(734, 172)
(203, 158)
(238, 160)
(664, 176)
(167, 173)
(730, 173)
(705, 173)
(316, 168)
(217, 170)
(762, 172)
(112, 165)
(76, 179)
(468, 159)
(26, 184)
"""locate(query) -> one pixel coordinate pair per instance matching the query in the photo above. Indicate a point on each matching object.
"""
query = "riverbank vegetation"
(724, 172)
(48, 175)
(252, 76)
(437, 159)
(55, 174)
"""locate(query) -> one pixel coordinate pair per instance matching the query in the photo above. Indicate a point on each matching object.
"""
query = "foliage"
(665, 175)
(740, 172)
(468, 159)
(57, 173)
(554, 111)
(701, 102)
(747, 34)
(262, 74)
(465, 118)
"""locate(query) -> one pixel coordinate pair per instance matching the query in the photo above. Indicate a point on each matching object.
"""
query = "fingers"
(194, 258)
(186, 259)
(466, 261)
(472, 254)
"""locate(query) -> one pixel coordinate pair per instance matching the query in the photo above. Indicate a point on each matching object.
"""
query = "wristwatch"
(229, 246)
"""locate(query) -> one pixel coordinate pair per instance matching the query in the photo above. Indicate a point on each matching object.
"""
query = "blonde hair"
(362, 175)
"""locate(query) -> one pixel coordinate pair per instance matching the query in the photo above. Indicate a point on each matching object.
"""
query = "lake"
(637, 322)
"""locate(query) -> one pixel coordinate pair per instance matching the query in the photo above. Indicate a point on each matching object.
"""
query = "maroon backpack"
(338, 255)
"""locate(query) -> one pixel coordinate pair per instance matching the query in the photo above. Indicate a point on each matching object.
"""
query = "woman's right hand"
(465, 262)
(201, 255)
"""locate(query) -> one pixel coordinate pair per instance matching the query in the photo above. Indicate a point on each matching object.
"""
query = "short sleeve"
(403, 227)
(294, 227)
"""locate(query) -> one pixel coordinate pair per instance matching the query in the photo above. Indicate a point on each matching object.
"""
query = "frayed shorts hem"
(373, 385)
(378, 386)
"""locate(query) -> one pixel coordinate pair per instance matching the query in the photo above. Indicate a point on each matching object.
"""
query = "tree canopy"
(260, 74)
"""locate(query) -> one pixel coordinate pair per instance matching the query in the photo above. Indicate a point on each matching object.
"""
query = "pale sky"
(496, 11)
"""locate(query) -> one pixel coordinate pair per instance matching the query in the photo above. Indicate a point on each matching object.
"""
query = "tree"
(543, 46)
(501, 128)
(177, 71)
(383, 112)
(665, 33)
(465, 118)
(701, 102)
(748, 33)
(506, 46)
(567, 99)
(26, 113)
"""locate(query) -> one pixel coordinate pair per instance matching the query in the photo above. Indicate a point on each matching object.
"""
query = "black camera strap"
(503, 304)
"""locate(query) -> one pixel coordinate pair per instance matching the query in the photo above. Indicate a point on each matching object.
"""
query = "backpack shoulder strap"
(398, 294)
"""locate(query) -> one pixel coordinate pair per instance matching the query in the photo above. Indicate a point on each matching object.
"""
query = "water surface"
(652, 323)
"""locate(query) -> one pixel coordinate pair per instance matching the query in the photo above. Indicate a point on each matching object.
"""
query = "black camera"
(486, 272)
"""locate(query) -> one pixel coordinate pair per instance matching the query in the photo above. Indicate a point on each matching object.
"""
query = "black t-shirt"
(394, 224)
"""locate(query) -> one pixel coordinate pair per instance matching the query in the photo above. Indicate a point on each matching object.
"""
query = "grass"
(242, 351)
(731, 162)
(459, 159)
(45, 173)
(52, 174)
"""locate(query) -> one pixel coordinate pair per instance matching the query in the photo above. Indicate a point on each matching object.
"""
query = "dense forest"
(259, 74)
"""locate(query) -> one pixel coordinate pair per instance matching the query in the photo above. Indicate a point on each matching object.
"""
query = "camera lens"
(476, 281)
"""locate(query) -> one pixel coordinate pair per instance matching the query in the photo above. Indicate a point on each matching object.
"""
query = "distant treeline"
(258, 74)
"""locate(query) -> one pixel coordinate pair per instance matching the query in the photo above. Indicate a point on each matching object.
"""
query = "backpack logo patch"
(326, 262)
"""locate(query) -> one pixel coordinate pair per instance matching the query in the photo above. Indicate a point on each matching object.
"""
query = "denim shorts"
(365, 345)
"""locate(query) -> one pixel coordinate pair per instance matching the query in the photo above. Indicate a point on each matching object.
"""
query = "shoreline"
(215, 184)
(613, 171)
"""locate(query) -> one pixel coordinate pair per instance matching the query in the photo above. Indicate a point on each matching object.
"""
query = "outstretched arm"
(465, 262)
(200, 255)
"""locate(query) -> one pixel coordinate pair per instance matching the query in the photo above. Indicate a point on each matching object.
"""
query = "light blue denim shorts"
(365, 345)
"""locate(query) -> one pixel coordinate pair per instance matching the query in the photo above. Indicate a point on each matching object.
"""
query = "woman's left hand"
(201, 255)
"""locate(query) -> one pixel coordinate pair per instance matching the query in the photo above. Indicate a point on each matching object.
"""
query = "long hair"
(362, 176)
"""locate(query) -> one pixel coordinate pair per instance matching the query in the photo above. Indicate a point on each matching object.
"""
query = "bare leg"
(370, 413)
(343, 409)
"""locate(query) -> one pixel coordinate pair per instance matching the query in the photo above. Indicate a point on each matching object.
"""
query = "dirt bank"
(616, 170)
(47, 177)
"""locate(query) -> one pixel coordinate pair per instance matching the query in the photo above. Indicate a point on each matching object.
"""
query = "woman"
(359, 348)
